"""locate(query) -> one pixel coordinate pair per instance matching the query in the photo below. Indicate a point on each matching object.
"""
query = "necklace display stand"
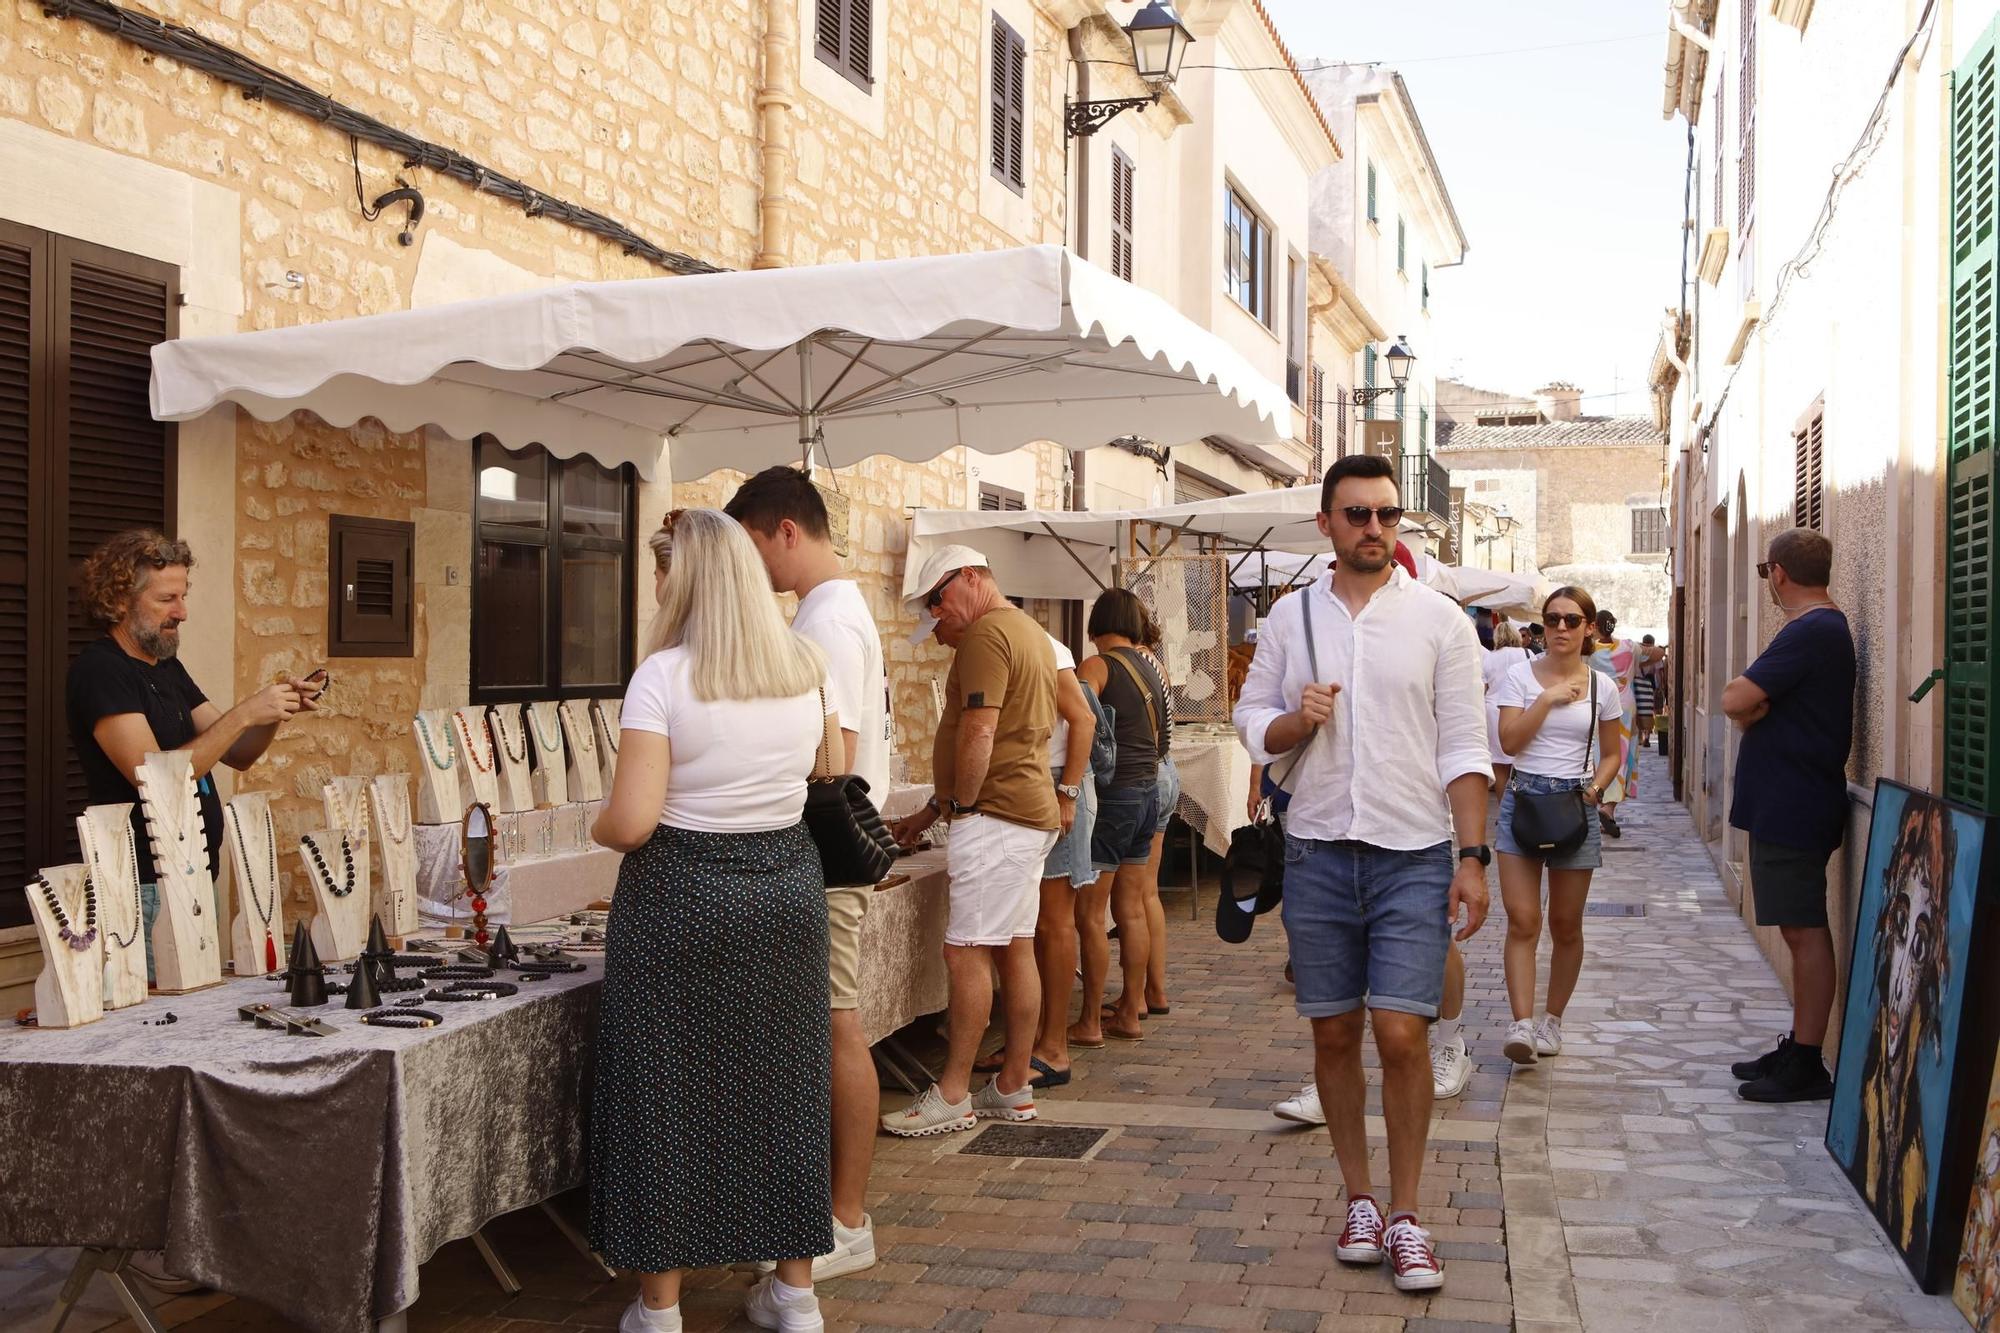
(339, 879)
(438, 798)
(112, 851)
(545, 734)
(70, 990)
(389, 795)
(187, 954)
(252, 838)
(586, 778)
(346, 803)
(475, 755)
(511, 742)
(606, 713)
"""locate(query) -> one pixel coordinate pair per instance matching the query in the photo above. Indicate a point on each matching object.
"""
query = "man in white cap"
(990, 780)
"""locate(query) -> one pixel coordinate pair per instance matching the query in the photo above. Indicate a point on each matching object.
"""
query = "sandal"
(991, 1064)
(1045, 1075)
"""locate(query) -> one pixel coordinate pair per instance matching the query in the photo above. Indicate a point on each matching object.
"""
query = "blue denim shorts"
(1127, 818)
(1070, 858)
(1169, 789)
(1367, 925)
(1588, 856)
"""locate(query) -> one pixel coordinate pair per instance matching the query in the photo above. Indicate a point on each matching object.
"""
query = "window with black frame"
(552, 576)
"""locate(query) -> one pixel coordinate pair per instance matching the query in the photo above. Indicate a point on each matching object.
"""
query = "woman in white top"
(1561, 722)
(715, 963)
(1506, 654)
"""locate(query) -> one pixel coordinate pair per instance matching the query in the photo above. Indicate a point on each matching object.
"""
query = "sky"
(1566, 179)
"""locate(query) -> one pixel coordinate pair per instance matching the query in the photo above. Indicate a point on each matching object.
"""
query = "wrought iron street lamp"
(1399, 358)
(1159, 44)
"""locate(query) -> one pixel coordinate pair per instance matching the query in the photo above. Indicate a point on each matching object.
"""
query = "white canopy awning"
(906, 357)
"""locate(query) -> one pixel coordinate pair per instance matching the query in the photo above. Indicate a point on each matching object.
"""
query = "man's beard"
(158, 640)
(1364, 561)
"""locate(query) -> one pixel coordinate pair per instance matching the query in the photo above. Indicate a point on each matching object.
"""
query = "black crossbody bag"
(1257, 850)
(1555, 823)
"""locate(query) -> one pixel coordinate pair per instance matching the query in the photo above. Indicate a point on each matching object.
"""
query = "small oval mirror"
(476, 847)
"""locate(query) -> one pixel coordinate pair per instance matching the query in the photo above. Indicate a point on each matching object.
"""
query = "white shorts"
(996, 877)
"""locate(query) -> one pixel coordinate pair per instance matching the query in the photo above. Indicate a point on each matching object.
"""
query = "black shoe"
(1751, 1070)
(1609, 825)
(1799, 1077)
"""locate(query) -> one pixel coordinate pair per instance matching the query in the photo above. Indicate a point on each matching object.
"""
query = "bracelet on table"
(472, 990)
(457, 972)
(402, 1018)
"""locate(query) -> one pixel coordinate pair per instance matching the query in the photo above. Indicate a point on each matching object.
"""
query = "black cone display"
(361, 993)
(308, 983)
(378, 939)
(503, 949)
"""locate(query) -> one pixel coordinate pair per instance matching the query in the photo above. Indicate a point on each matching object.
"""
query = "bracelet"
(402, 1018)
(457, 972)
(472, 990)
(540, 968)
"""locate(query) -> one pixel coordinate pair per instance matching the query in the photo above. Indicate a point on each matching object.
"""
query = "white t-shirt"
(737, 765)
(835, 616)
(1499, 661)
(1059, 736)
(1557, 750)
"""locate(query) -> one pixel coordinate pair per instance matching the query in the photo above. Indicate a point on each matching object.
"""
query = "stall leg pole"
(575, 1238)
(72, 1288)
(495, 1264)
(1194, 874)
(111, 1263)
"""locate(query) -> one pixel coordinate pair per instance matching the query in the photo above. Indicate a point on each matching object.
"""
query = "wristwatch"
(1074, 793)
(959, 808)
(1479, 852)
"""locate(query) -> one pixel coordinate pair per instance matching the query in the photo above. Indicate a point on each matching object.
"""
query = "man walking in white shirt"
(1374, 681)
(787, 521)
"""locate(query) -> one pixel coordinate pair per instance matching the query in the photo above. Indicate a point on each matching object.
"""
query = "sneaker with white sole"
(930, 1114)
(1412, 1259)
(1451, 1067)
(989, 1103)
(853, 1252)
(1549, 1036)
(1302, 1108)
(638, 1319)
(773, 1305)
(1520, 1044)
(1361, 1239)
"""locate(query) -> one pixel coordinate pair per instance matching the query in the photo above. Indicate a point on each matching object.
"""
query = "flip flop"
(991, 1064)
(1086, 1045)
(1045, 1076)
(1108, 1012)
(1116, 1035)
(1153, 1009)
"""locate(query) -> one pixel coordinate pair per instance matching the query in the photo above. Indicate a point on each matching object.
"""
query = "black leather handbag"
(1253, 870)
(855, 849)
(1555, 823)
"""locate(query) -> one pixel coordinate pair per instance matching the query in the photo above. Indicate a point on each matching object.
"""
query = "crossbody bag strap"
(1145, 692)
(823, 760)
(1312, 662)
(1590, 730)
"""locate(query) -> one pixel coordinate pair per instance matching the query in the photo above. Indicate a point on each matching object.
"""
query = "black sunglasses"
(1563, 620)
(1357, 515)
(937, 593)
(1763, 569)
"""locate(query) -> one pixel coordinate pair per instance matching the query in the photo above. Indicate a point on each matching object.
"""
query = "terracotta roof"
(1298, 78)
(1583, 433)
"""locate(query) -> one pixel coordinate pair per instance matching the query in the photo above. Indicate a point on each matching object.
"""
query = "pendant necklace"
(351, 815)
(346, 885)
(507, 740)
(535, 725)
(430, 747)
(610, 729)
(483, 764)
(189, 818)
(131, 868)
(394, 816)
(265, 910)
(64, 928)
(586, 738)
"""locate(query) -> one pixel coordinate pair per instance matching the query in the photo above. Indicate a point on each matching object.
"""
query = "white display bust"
(111, 849)
(389, 795)
(477, 775)
(187, 949)
(70, 990)
(512, 743)
(438, 797)
(545, 733)
(257, 935)
(339, 880)
(607, 713)
(586, 774)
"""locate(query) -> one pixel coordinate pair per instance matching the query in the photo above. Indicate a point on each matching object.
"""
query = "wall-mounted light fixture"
(1159, 44)
(1400, 358)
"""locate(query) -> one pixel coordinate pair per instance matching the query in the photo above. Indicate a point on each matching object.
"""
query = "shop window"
(552, 576)
(1649, 530)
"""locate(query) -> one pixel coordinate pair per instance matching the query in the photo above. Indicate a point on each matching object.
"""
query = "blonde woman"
(715, 964)
(1507, 653)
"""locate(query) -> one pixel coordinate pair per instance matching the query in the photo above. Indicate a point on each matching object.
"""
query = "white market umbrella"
(905, 357)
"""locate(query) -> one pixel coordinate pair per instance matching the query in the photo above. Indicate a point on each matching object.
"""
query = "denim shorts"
(1169, 791)
(1070, 858)
(1367, 925)
(1588, 856)
(1127, 818)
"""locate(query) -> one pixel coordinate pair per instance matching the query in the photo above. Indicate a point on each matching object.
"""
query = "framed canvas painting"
(1977, 1287)
(1917, 1044)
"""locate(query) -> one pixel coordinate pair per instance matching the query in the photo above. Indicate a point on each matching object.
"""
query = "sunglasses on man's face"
(1357, 515)
(1763, 569)
(937, 594)
(1562, 620)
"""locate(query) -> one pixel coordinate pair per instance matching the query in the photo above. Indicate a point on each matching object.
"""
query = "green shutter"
(1371, 192)
(1972, 583)
(1402, 247)
(1368, 376)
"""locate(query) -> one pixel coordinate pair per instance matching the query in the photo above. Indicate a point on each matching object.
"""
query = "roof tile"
(1584, 432)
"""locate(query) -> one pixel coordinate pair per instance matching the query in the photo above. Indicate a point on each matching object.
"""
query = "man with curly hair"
(128, 695)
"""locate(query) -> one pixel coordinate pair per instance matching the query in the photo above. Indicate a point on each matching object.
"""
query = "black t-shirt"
(1791, 768)
(105, 681)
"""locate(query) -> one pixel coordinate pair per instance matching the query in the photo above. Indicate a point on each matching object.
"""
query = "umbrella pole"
(808, 410)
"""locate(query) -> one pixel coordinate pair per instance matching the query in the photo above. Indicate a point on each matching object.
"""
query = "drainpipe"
(1078, 495)
(775, 99)
(1677, 21)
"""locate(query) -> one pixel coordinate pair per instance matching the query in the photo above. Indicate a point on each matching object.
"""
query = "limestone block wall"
(1580, 514)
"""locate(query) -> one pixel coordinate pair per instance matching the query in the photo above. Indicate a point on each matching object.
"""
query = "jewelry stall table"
(310, 1174)
(544, 867)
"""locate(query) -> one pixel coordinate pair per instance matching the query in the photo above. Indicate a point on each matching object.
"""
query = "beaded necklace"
(610, 728)
(541, 737)
(430, 747)
(351, 814)
(64, 929)
(507, 739)
(325, 875)
(482, 762)
(394, 815)
(266, 910)
(586, 738)
(131, 869)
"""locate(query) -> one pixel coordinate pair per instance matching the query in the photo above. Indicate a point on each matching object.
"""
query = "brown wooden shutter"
(860, 32)
(18, 675)
(368, 597)
(1809, 470)
(1340, 415)
(828, 25)
(1009, 104)
(1316, 420)
(1746, 112)
(1721, 159)
(1121, 214)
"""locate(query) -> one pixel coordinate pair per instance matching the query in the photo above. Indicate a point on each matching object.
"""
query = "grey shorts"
(1788, 884)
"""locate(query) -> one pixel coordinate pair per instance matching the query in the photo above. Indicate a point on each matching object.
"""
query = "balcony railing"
(1426, 486)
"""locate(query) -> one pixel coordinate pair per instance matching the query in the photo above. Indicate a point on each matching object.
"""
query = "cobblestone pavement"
(1622, 1185)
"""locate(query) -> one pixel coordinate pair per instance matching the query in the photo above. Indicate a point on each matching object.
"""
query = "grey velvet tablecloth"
(311, 1174)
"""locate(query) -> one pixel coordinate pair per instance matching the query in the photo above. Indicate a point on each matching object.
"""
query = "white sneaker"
(930, 1114)
(853, 1251)
(1450, 1067)
(989, 1103)
(791, 1310)
(638, 1319)
(1302, 1108)
(1520, 1044)
(1549, 1036)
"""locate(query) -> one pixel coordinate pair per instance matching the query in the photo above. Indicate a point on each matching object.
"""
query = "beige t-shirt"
(1004, 662)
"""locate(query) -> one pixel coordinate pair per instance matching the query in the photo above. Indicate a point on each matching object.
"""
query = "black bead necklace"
(401, 1018)
(471, 990)
(64, 928)
(264, 912)
(346, 885)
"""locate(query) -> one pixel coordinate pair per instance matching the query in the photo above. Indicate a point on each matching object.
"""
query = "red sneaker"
(1361, 1239)
(1411, 1256)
